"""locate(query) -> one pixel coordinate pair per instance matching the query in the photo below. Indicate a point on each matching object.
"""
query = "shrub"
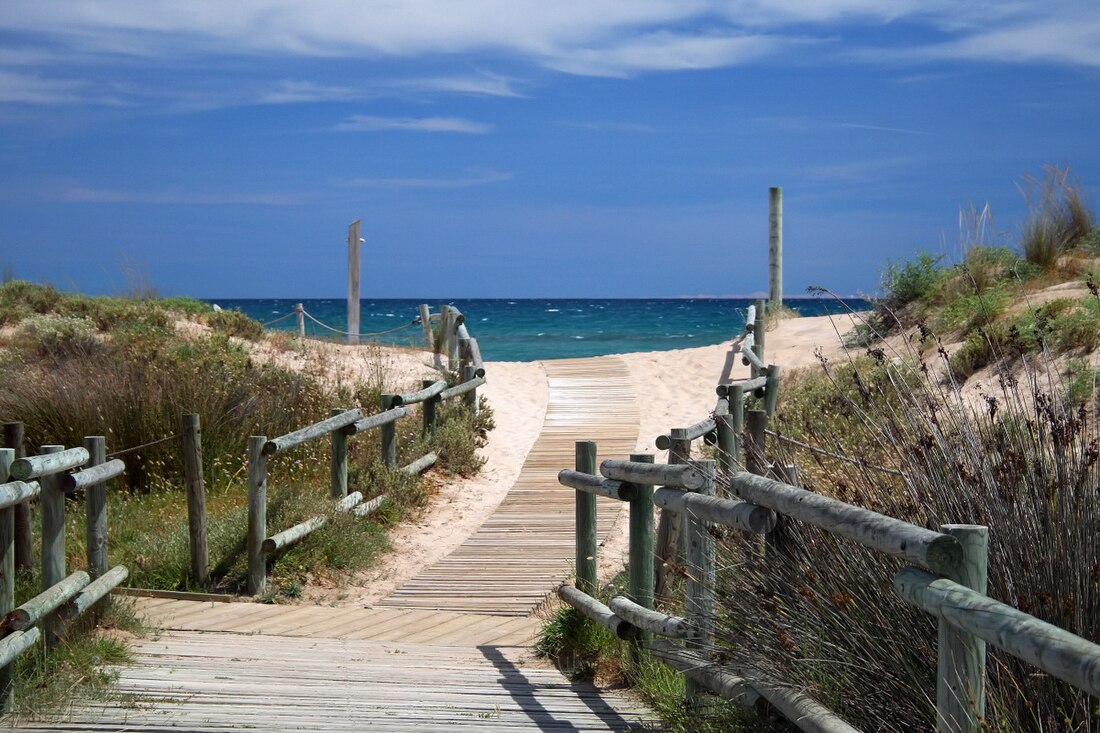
(58, 336)
(912, 280)
(234, 323)
(1059, 216)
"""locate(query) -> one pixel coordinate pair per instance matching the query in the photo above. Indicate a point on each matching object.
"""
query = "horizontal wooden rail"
(598, 485)
(698, 430)
(727, 512)
(294, 535)
(12, 645)
(316, 430)
(461, 389)
(423, 463)
(748, 356)
(370, 507)
(376, 421)
(921, 546)
(93, 593)
(596, 611)
(92, 476)
(695, 666)
(748, 385)
(16, 492)
(682, 476)
(411, 398)
(47, 601)
(672, 627)
(1050, 648)
(23, 469)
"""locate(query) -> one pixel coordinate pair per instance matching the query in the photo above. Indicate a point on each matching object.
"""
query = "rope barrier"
(280, 318)
(124, 451)
(837, 456)
(410, 324)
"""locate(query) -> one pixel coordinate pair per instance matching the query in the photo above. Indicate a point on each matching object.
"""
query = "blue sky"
(500, 148)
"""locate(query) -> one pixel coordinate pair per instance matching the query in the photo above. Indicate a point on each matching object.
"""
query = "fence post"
(196, 499)
(670, 534)
(426, 324)
(771, 389)
(586, 521)
(736, 398)
(24, 541)
(755, 459)
(300, 312)
(469, 371)
(640, 555)
(389, 434)
(7, 574)
(257, 515)
(52, 500)
(960, 690)
(339, 459)
(95, 508)
(353, 282)
(758, 328)
(775, 247)
(427, 409)
(726, 443)
(700, 560)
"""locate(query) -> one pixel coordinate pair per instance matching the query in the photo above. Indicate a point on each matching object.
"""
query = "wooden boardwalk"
(449, 651)
(526, 547)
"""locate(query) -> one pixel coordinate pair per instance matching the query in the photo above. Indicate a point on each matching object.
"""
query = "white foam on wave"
(552, 310)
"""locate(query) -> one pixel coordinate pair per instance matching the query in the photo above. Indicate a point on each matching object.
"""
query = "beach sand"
(674, 389)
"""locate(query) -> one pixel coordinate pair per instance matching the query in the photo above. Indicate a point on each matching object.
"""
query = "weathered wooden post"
(670, 535)
(339, 483)
(196, 499)
(24, 541)
(388, 434)
(300, 312)
(586, 521)
(469, 371)
(771, 389)
(724, 428)
(95, 508)
(775, 247)
(7, 574)
(755, 458)
(758, 328)
(353, 282)
(426, 324)
(640, 553)
(737, 420)
(699, 597)
(52, 501)
(428, 409)
(257, 515)
(778, 541)
(960, 688)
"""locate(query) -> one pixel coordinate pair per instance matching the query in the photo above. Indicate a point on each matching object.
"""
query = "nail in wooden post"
(196, 500)
(670, 534)
(960, 690)
(469, 371)
(95, 506)
(586, 521)
(428, 409)
(300, 312)
(7, 575)
(758, 329)
(257, 515)
(339, 459)
(389, 434)
(700, 558)
(52, 501)
(24, 540)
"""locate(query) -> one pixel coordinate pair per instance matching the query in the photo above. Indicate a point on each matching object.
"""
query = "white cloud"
(372, 123)
(882, 128)
(1072, 41)
(90, 195)
(296, 92)
(32, 89)
(476, 179)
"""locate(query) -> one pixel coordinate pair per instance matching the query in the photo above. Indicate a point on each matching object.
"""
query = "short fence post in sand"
(775, 247)
(426, 324)
(469, 371)
(755, 459)
(428, 409)
(640, 557)
(353, 282)
(726, 443)
(778, 541)
(24, 541)
(257, 515)
(95, 510)
(339, 459)
(389, 434)
(701, 572)
(960, 690)
(196, 499)
(670, 534)
(736, 399)
(771, 389)
(758, 329)
(300, 312)
(7, 574)
(586, 521)
(52, 501)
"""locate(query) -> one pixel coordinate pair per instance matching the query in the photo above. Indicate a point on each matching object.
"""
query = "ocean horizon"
(529, 329)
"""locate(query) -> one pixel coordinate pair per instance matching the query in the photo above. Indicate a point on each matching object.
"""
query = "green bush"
(1059, 216)
(912, 280)
(58, 336)
(234, 323)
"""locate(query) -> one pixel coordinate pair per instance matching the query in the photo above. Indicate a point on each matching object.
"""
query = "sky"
(506, 148)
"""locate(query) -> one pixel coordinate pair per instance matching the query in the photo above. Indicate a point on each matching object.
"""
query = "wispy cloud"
(882, 128)
(858, 171)
(487, 85)
(297, 92)
(31, 89)
(608, 126)
(475, 179)
(91, 195)
(372, 123)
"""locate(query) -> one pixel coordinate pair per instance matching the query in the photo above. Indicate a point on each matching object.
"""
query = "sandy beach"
(672, 388)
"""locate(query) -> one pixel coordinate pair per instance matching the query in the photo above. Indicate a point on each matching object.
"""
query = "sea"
(532, 329)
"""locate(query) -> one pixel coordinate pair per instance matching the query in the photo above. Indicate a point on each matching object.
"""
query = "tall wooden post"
(300, 312)
(196, 499)
(7, 574)
(775, 247)
(388, 433)
(426, 324)
(586, 521)
(257, 515)
(52, 501)
(670, 535)
(339, 484)
(353, 282)
(24, 541)
(699, 596)
(95, 507)
(428, 409)
(960, 689)
(640, 557)
(758, 329)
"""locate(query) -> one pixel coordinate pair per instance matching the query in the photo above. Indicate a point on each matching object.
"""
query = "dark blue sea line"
(532, 329)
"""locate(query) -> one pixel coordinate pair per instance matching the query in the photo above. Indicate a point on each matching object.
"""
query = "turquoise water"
(527, 330)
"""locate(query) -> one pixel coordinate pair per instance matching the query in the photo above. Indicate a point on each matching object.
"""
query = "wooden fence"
(945, 577)
(63, 597)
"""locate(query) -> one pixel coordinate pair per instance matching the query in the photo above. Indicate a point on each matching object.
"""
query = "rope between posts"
(837, 456)
(280, 318)
(124, 451)
(410, 324)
